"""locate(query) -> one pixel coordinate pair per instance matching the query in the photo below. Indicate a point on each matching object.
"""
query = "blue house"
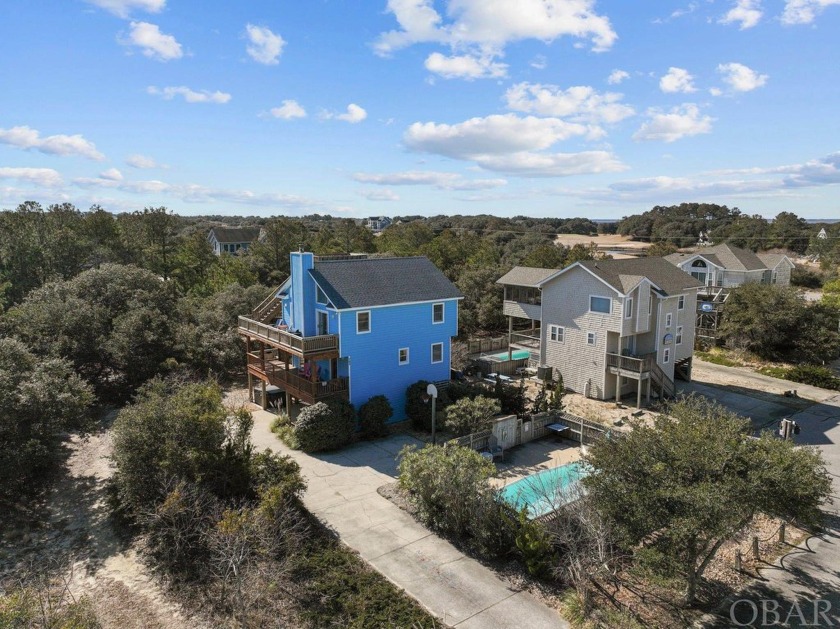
(353, 327)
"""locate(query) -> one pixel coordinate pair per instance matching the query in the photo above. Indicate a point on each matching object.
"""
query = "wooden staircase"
(682, 369)
(269, 309)
(662, 383)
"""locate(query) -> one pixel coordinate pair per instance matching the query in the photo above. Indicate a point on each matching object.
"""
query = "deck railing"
(284, 338)
(635, 364)
(276, 372)
(526, 340)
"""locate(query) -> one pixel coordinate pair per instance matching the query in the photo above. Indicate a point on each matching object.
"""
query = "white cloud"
(27, 138)
(510, 143)
(579, 103)
(677, 80)
(436, 179)
(484, 27)
(746, 13)
(680, 122)
(379, 195)
(112, 173)
(141, 161)
(539, 62)
(264, 46)
(741, 78)
(617, 76)
(804, 11)
(123, 8)
(288, 110)
(191, 96)
(46, 177)
(715, 91)
(465, 67)
(353, 115)
(152, 42)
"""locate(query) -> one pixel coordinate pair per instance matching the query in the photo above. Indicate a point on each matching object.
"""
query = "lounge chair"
(494, 448)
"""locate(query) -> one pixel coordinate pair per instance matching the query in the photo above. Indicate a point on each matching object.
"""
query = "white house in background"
(822, 235)
(612, 328)
(377, 223)
(232, 239)
(726, 266)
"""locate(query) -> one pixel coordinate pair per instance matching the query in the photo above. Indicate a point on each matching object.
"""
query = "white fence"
(535, 429)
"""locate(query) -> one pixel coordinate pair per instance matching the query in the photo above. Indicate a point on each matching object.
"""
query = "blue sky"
(537, 107)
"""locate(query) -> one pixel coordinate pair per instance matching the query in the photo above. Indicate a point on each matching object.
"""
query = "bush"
(806, 278)
(284, 428)
(534, 542)
(815, 375)
(324, 426)
(448, 487)
(459, 390)
(468, 416)
(373, 415)
(420, 412)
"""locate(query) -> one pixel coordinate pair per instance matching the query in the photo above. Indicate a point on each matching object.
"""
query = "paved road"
(810, 574)
(458, 590)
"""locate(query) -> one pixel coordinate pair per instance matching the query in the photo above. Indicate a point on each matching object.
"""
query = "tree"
(471, 415)
(683, 486)
(373, 415)
(555, 400)
(404, 239)
(271, 254)
(540, 403)
(661, 249)
(194, 261)
(788, 231)
(482, 305)
(41, 399)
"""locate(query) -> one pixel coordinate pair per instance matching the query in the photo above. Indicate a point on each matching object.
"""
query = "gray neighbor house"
(612, 328)
(232, 239)
(727, 266)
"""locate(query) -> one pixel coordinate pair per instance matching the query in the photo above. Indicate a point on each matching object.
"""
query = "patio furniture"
(487, 455)
(557, 428)
(495, 449)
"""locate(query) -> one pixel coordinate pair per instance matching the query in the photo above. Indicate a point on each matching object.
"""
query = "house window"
(403, 356)
(591, 338)
(557, 333)
(666, 355)
(363, 322)
(699, 271)
(437, 353)
(650, 305)
(679, 335)
(668, 319)
(321, 296)
(681, 302)
(437, 313)
(628, 308)
(600, 304)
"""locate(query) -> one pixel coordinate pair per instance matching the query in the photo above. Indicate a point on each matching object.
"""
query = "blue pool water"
(544, 491)
(519, 354)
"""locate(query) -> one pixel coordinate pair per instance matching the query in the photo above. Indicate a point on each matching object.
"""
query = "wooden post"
(289, 404)
(618, 388)
(738, 560)
(782, 533)
(756, 555)
(262, 355)
(263, 401)
(639, 393)
(648, 390)
(250, 387)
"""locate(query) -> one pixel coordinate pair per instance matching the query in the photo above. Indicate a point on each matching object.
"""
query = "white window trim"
(609, 299)
(436, 362)
(628, 308)
(401, 362)
(669, 319)
(678, 335)
(557, 333)
(681, 303)
(666, 355)
(442, 313)
(370, 322)
(594, 336)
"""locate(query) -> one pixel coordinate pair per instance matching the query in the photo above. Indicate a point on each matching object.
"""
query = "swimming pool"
(544, 491)
(520, 354)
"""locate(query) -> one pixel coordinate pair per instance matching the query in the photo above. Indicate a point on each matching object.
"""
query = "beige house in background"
(612, 328)
(726, 266)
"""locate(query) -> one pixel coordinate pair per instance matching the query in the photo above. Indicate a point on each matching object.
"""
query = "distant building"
(612, 328)
(352, 328)
(377, 223)
(822, 235)
(726, 266)
(232, 239)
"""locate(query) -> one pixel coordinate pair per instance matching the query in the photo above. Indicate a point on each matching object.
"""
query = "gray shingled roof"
(525, 276)
(724, 255)
(382, 281)
(771, 260)
(624, 275)
(235, 234)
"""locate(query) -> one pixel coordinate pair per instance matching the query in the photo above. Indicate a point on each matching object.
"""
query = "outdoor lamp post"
(431, 394)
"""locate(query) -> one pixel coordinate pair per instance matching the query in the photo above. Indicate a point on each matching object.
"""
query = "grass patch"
(284, 428)
(599, 617)
(814, 375)
(718, 358)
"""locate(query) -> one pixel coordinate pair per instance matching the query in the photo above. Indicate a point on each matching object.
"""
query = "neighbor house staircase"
(663, 385)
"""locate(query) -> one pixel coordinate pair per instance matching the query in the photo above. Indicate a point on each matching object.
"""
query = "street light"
(432, 393)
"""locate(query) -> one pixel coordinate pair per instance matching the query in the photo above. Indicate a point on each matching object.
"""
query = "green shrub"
(534, 542)
(815, 375)
(806, 278)
(448, 487)
(324, 427)
(373, 415)
(459, 390)
(419, 411)
(284, 428)
(468, 416)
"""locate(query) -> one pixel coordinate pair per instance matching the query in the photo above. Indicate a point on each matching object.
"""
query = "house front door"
(322, 322)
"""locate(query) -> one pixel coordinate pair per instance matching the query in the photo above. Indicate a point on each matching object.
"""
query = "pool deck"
(534, 456)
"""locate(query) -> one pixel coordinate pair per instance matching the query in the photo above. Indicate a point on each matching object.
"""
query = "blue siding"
(374, 367)
(302, 294)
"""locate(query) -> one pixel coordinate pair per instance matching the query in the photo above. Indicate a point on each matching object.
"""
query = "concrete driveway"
(802, 589)
(341, 491)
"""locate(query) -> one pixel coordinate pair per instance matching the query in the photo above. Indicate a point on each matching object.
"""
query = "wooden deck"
(274, 372)
(311, 347)
(631, 366)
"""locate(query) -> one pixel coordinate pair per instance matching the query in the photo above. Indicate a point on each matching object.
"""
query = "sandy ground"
(123, 591)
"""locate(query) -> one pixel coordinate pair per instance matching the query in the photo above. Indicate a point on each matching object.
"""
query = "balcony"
(631, 366)
(526, 339)
(323, 346)
(275, 372)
